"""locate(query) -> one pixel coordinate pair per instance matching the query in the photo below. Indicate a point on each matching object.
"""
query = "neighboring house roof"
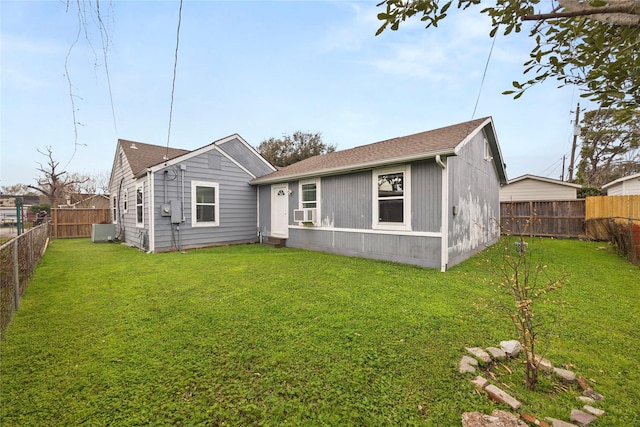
(544, 179)
(142, 156)
(620, 180)
(445, 141)
(533, 187)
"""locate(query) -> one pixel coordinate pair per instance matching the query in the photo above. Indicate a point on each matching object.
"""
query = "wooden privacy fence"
(613, 207)
(72, 223)
(555, 218)
(615, 219)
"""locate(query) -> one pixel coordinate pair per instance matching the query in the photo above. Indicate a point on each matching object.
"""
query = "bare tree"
(54, 184)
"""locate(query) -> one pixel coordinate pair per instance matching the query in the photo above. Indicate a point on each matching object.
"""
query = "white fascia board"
(192, 154)
(246, 144)
(499, 163)
(470, 136)
(545, 179)
(152, 222)
(619, 180)
(355, 167)
(180, 159)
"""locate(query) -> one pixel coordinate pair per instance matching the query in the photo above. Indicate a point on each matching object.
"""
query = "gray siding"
(264, 210)
(246, 157)
(418, 250)
(237, 204)
(426, 196)
(346, 200)
(123, 182)
(346, 206)
(474, 189)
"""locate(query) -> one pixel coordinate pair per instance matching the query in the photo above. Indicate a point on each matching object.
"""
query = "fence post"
(16, 274)
(531, 219)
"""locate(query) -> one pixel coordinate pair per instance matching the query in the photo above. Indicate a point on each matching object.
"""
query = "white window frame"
(125, 200)
(140, 221)
(405, 225)
(114, 209)
(216, 203)
(317, 201)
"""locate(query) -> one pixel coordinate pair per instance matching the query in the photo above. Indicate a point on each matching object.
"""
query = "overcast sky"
(260, 69)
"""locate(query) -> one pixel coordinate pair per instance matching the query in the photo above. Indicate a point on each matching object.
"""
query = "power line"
(484, 74)
(173, 84)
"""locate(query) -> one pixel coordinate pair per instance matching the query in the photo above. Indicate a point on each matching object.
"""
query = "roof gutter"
(353, 168)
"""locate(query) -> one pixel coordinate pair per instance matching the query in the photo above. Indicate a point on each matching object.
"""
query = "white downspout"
(444, 228)
(258, 213)
(152, 211)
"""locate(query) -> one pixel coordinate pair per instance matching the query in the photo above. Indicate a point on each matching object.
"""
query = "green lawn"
(251, 335)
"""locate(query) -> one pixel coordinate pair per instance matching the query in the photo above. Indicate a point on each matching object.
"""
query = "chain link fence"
(18, 260)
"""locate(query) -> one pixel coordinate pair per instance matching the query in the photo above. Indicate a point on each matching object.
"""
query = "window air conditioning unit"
(305, 215)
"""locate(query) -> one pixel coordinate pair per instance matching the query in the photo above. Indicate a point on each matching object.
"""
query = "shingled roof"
(442, 141)
(142, 156)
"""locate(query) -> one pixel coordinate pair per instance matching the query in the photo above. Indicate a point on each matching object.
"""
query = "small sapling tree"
(522, 273)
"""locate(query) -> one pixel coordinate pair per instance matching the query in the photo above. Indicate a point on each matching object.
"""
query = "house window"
(310, 194)
(205, 204)
(114, 208)
(140, 205)
(391, 196)
(487, 150)
(310, 198)
(125, 201)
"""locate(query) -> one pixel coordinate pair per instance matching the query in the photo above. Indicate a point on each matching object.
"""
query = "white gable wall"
(530, 189)
(624, 188)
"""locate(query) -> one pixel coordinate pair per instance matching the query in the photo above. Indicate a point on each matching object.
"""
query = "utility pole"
(576, 131)
(562, 176)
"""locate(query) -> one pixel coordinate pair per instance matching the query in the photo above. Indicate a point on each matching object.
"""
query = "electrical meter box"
(165, 209)
(176, 211)
(172, 209)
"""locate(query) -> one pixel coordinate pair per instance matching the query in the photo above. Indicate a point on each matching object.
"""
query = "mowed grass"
(251, 335)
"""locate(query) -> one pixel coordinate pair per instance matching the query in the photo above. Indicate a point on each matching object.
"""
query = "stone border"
(512, 348)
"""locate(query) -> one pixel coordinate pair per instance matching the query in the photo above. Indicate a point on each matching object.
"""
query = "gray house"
(169, 199)
(430, 199)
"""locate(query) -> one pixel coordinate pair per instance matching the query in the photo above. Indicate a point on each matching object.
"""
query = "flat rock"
(480, 382)
(500, 396)
(533, 420)
(496, 353)
(511, 348)
(593, 411)
(479, 353)
(559, 423)
(497, 418)
(592, 394)
(565, 375)
(467, 364)
(585, 399)
(581, 417)
(544, 364)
